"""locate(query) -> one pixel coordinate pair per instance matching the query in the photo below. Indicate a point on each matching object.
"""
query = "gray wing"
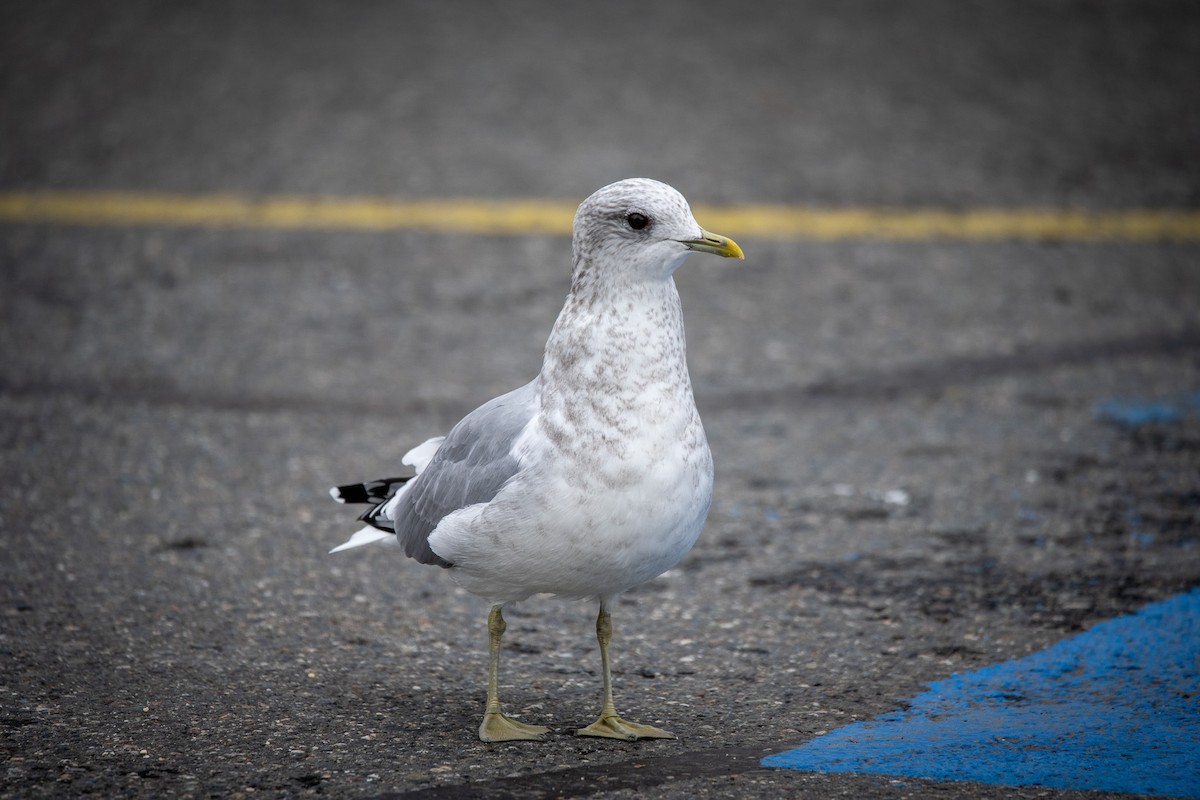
(470, 467)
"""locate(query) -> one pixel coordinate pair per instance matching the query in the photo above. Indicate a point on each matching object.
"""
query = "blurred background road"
(932, 453)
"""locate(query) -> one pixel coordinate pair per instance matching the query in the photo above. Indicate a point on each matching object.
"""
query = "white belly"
(585, 524)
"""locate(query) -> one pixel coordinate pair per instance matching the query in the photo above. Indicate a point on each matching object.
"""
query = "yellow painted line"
(236, 211)
(521, 217)
(975, 224)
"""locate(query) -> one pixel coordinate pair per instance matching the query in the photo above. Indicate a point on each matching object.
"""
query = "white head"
(640, 228)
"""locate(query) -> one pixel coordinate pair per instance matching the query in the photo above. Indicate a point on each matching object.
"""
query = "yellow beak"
(714, 243)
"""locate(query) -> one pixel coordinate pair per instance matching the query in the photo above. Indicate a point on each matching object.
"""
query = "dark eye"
(637, 221)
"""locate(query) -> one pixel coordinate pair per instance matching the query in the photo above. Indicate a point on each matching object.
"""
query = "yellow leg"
(496, 727)
(610, 725)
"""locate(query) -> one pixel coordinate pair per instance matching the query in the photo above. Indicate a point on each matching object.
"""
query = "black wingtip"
(369, 492)
(350, 493)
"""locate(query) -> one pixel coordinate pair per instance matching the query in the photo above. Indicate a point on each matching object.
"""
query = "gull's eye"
(636, 220)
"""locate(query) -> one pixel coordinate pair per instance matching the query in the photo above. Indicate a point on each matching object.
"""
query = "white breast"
(616, 474)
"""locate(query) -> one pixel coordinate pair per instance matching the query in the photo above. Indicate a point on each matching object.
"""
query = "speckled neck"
(616, 363)
(603, 339)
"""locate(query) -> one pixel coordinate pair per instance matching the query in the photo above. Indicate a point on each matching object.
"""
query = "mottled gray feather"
(472, 464)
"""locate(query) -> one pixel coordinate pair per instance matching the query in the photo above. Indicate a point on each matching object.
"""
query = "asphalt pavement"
(932, 455)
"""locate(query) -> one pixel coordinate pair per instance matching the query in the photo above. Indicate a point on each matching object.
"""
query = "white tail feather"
(366, 536)
(419, 457)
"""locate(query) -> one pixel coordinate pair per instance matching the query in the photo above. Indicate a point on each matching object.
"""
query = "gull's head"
(643, 228)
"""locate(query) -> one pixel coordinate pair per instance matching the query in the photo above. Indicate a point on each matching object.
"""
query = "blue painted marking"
(1114, 709)
(1136, 413)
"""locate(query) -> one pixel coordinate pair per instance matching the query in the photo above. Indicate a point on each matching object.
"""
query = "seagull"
(592, 478)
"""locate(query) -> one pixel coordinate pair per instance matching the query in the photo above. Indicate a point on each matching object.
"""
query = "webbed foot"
(613, 727)
(497, 727)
